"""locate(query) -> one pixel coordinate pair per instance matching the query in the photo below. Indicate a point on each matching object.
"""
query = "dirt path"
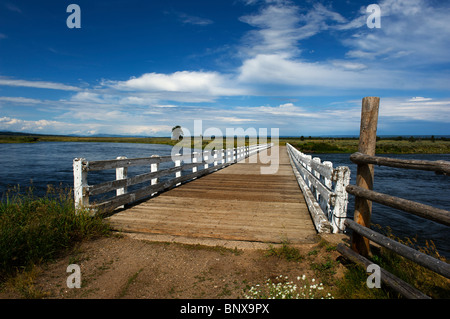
(122, 267)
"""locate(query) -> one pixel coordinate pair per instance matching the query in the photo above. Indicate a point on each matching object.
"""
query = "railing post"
(206, 158)
(178, 164)
(194, 160)
(154, 168)
(121, 173)
(326, 207)
(215, 157)
(341, 176)
(317, 175)
(81, 199)
(223, 156)
(365, 172)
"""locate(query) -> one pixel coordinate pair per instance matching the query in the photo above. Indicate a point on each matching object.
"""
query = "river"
(41, 164)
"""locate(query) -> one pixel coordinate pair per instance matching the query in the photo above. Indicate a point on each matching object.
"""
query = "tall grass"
(353, 285)
(37, 229)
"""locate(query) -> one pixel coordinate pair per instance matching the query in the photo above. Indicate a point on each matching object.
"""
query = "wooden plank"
(441, 216)
(418, 257)
(113, 164)
(141, 178)
(227, 205)
(147, 191)
(440, 167)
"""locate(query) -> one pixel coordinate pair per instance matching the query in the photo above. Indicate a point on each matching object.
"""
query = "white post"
(215, 157)
(341, 176)
(206, 158)
(178, 164)
(308, 167)
(223, 155)
(79, 183)
(317, 175)
(329, 184)
(121, 173)
(194, 160)
(154, 168)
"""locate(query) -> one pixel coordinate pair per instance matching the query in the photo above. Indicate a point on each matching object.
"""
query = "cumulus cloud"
(196, 83)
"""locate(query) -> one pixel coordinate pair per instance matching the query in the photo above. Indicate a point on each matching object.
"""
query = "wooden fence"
(198, 164)
(323, 188)
(364, 195)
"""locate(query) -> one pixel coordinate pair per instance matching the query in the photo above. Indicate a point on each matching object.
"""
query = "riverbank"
(397, 145)
(42, 236)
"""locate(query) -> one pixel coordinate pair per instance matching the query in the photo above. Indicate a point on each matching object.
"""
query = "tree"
(177, 133)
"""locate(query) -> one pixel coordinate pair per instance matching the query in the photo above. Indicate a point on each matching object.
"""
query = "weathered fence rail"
(323, 188)
(364, 195)
(199, 163)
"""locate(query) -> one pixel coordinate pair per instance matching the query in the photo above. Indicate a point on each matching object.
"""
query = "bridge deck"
(235, 204)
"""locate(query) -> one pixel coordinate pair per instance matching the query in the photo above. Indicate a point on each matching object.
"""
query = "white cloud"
(189, 19)
(419, 108)
(194, 85)
(37, 84)
(65, 127)
(19, 100)
(413, 32)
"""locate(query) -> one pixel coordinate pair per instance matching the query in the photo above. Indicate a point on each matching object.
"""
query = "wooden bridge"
(225, 198)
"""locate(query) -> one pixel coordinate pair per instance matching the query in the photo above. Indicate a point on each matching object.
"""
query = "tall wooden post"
(365, 172)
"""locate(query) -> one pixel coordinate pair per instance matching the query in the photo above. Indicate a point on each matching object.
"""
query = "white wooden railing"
(323, 188)
(198, 163)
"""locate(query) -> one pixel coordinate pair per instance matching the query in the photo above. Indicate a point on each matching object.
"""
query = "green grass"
(396, 145)
(353, 285)
(285, 252)
(383, 146)
(35, 229)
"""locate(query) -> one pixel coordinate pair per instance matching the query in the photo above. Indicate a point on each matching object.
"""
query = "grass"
(395, 145)
(35, 230)
(286, 252)
(353, 285)
(383, 146)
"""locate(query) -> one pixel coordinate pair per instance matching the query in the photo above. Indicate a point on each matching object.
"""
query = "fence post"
(177, 164)
(154, 168)
(79, 183)
(341, 176)
(215, 156)
(326, 207)
(121, 173)
(194, 160)
(206, 158)
(365, 172)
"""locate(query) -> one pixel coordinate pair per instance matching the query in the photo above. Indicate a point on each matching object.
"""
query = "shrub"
(36, 229)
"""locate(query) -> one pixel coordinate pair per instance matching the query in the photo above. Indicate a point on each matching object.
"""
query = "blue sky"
(142, 67)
